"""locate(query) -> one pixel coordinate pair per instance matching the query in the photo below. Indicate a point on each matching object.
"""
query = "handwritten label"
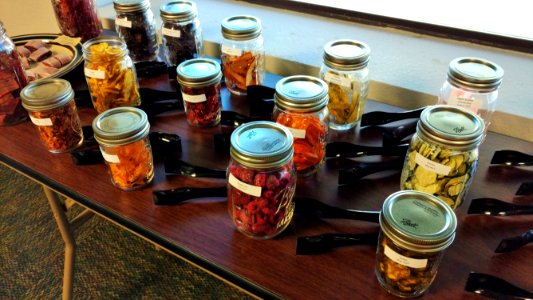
(171, 32)
(67, 41)
(431, 165)
(404, 260)
(468, 103)
(41, 122)
(123, 22)
(244, 187)
(231, 51)
(194, 98)
(338, 80)
(112, 158)
(98, 74)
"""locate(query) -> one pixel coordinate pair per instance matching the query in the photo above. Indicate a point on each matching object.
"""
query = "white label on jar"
(171, 32)
(469, 103)
(231, 51)
(123, 22)
(297, 133)
(112, 158)
(431, 165)
(338, 80)
(41, 122)
(244, 187)
(194, 98)
(98, 74)
(415, 263)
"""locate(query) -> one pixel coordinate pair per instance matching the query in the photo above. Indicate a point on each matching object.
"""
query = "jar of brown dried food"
(51, 106)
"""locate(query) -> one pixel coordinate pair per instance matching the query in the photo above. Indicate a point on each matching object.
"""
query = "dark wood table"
(202, 233)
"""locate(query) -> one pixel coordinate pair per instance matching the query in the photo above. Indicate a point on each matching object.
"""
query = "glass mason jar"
(301, 106)
(122, 134)
(12, 80)
(110, 73)
(243, 54)
(472, 84)
(261, 179)
(443, 153)
(77, 18)
(135, 24)
(51, 106)
(345, 70)
(180, 31)
(416, 229)
(199, 79)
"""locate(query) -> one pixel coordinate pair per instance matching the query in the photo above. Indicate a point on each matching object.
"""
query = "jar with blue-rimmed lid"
(243, 53)
(261, 179)
(199, 79)
(300, 104)
(122, 134)
(181, 33)
(443, 153)
(416, 229)
(345, 69)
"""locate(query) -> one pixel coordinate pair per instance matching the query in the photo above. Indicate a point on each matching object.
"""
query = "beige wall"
(28, 16)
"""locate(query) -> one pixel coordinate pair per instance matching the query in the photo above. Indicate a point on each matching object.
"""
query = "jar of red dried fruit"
(12, 80)
(122, 134)
(51, 106)
(261, 179)
(199, 79)
(301, 106)
(77, 18)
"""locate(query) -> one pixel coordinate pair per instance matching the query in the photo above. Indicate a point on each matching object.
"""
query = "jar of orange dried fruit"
(301, 106)
(122, 134)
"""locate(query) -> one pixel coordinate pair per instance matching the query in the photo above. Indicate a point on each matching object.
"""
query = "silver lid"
(241, 28)
(261, 145)
(301, 93)
(198, 72)
(178, 11)
(475, 73)
(451, 126)
(46, 94)
(418, 221)
(120, 126)
(126, 6)
(346, 55)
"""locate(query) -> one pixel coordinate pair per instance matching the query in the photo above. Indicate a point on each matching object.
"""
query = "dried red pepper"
(12, 80)
(202, 105)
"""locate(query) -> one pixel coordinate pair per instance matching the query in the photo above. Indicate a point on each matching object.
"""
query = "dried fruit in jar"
(130, 165)
(115, 83)
(202, 113)
(12, 80)
(242, 70)
(344, 104)
(182, 43)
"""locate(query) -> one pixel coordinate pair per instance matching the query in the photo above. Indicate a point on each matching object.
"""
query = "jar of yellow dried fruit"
(416, 228)
(110, 73)
(122, 134)
(443, 153)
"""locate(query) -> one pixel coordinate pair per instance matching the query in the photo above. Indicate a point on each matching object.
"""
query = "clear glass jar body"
(260, 201)
(139, 31)
(243, 63)
(59, 128)
(12, 80)
(110, 74)
(203, 105)
(182, 40)
(310, 132)
(131, 165)
(439, 170)
(402, 272)
(481, 103)
(77, 18)
(348, 92)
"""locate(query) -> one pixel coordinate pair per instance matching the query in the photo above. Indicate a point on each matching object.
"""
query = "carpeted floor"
(31, 256)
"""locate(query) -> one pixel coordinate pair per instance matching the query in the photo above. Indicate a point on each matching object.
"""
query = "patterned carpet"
(31, 256)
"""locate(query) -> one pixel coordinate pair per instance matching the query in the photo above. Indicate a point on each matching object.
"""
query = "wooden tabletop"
(202, 232)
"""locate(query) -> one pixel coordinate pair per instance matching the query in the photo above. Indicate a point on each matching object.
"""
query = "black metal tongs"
(495, 287)
(495, 207)
(317, 244)
(513, 243)
(375, 118)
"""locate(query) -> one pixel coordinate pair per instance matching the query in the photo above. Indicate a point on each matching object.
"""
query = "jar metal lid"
(451, 126)
(241, 28)
(46, 94)
(120, 126)
(198, 72)
(117, 46)
(475, 73)
(301, 93)
(126, 6)
(346, 55)
(261, 145)
(418, 221)
(178, 11)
